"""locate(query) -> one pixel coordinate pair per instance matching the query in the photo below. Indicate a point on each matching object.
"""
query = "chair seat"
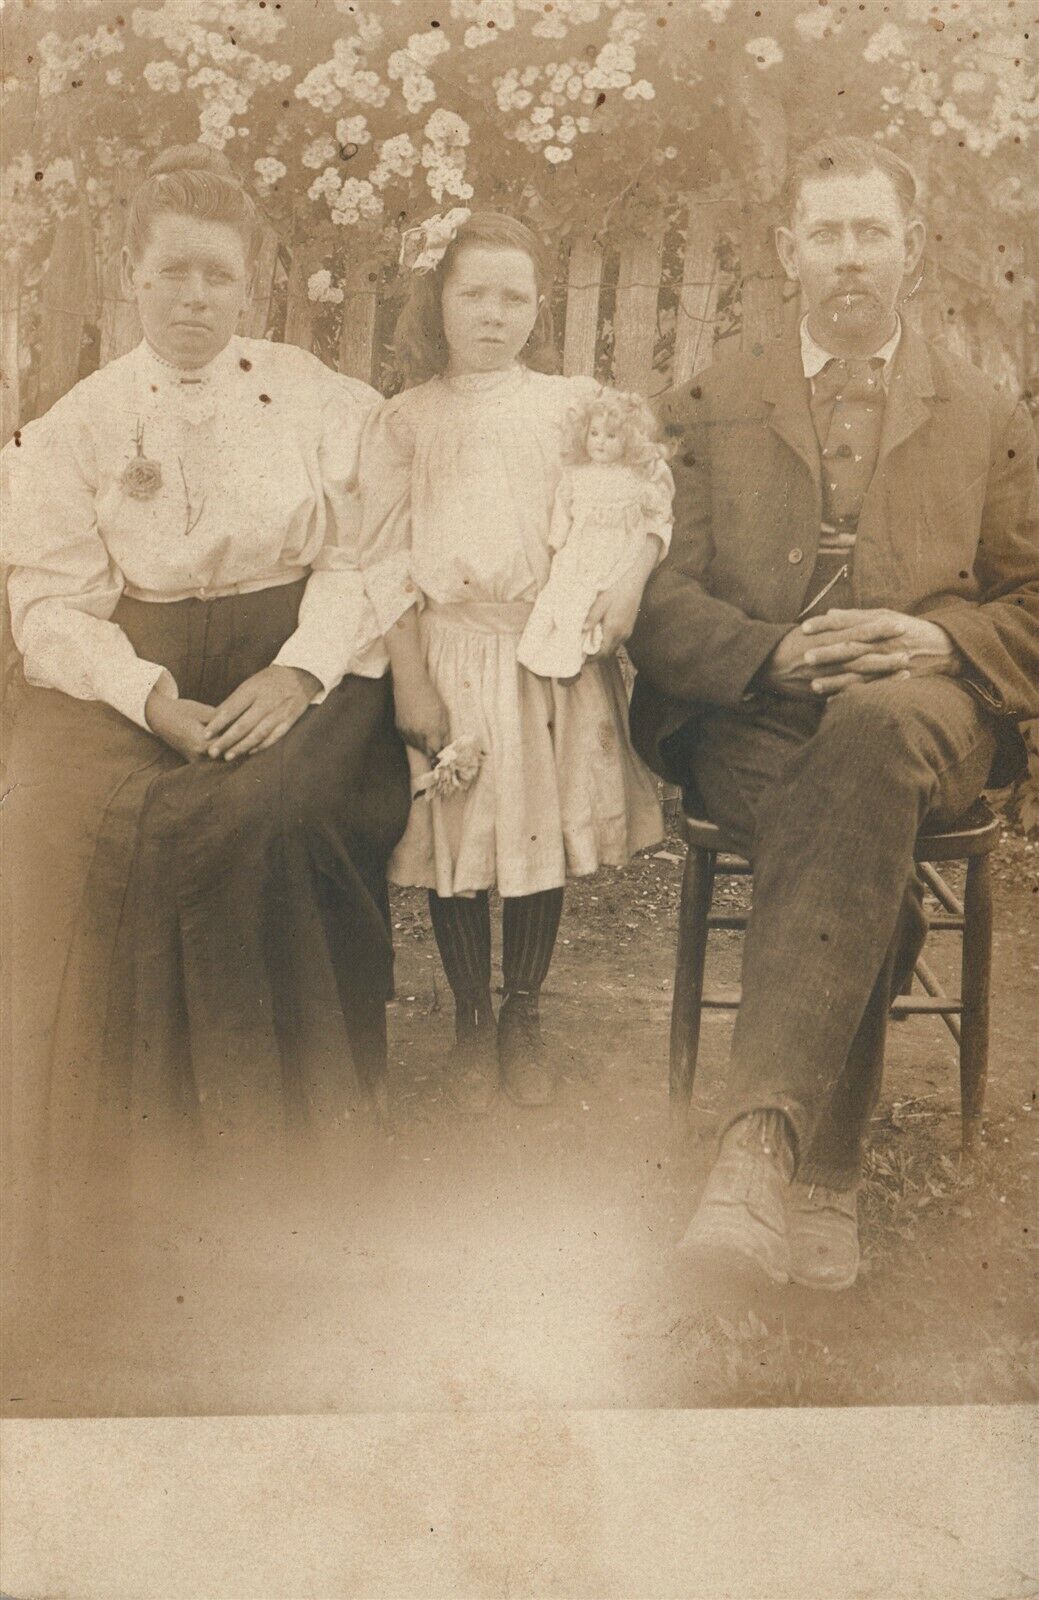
(966, 1015)
(973, 834)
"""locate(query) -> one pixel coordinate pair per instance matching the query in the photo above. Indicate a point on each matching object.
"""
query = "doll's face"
(603, 440)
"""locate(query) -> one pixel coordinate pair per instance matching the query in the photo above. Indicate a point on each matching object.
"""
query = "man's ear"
(785, 250)
(915, 239)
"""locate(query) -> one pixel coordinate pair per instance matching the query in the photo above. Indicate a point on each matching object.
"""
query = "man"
(836, 649)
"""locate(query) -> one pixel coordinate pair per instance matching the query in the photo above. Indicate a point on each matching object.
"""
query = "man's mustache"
(853, 286)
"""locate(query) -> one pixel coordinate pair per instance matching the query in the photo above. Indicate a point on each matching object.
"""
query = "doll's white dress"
(458, 479)
(601, 518)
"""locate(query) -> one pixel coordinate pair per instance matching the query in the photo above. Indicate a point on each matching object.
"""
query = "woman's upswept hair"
(642, 446)
(419, 346)
(191, 180)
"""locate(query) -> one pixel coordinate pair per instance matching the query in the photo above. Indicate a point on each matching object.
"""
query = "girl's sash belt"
(481, 616)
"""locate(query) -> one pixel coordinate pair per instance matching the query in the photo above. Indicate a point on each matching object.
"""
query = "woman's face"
(190, 284)
(490, 305)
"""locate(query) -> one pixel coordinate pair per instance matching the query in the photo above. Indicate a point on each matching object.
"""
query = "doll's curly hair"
(419, 347)
(642, 446)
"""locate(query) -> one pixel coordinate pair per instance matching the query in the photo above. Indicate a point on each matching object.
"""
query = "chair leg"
(690, 960)
(974, 992)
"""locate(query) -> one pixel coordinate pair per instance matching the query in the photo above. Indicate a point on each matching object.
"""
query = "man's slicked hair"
(843, 155)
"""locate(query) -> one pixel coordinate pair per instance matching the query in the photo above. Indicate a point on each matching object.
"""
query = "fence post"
(758, 123)
(583, 281)
(255, 317)
(68, 300)
(635, 317)
(698, 296)
(120, 324)
(10, 369)
(357, 330)
(299, 313)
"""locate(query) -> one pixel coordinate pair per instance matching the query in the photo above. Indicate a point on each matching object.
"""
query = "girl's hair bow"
(423, 248)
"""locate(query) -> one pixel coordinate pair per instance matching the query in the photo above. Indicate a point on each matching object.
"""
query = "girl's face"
(489, 306)
(603, 439)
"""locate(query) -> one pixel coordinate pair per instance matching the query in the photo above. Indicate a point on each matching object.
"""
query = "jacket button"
(795, 556)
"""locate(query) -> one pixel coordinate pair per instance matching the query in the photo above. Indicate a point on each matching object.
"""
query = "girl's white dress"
(601, 518)
(458, 480)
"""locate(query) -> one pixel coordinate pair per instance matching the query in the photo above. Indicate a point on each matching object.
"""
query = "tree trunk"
(758, 125)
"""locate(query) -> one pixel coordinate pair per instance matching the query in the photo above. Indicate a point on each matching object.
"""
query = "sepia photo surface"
(521, 768)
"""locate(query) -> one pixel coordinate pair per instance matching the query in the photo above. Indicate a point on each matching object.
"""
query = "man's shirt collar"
(814, 358)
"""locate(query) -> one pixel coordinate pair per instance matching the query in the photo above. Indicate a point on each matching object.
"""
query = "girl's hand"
(422, 719)
(618, 606)
(179, 723)
(616, 610)
(260, 711)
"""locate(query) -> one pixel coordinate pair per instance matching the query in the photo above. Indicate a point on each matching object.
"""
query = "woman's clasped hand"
(255, 716)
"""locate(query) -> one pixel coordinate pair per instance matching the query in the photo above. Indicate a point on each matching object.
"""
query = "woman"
(204, 779)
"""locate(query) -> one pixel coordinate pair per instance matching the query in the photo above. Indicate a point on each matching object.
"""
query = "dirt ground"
(527, 1258)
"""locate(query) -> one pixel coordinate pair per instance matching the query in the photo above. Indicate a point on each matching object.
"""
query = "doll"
(614, 491)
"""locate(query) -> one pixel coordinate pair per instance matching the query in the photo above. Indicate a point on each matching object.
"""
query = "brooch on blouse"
(141, 477)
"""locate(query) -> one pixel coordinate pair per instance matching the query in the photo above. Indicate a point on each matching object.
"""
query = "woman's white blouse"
(138, 482)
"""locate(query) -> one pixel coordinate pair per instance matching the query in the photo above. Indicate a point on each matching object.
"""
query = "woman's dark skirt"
(199, 953)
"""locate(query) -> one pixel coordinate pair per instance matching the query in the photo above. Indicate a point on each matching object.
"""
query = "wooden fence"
(641, 308)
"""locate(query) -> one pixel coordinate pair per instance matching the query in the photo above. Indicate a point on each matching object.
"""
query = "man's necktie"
(848, 410)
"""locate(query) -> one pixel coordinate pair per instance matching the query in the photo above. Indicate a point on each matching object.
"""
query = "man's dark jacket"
(949, 530)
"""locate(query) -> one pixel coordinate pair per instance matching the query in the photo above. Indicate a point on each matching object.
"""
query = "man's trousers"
(827, 799)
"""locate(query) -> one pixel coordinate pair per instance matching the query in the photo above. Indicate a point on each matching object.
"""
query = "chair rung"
(739, 919)
(940, 889)
(914, 1005)
(727, 996)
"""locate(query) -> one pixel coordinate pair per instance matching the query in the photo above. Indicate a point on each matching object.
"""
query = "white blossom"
(557, 153)
(813, 25)
(885, 45)
(352, 130)
(397, 158)
(160, 75)
(327, 186)
(319, 288)
(319, 151)
(767, 52)
(270, 170)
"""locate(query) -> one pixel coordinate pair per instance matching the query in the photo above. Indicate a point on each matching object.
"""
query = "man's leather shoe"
(823, 1233)
(740, 1222)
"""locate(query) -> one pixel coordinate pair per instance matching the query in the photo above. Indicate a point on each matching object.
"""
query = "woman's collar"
(193, 377)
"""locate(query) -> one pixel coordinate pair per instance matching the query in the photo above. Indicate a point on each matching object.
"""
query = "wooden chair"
(966, 1015)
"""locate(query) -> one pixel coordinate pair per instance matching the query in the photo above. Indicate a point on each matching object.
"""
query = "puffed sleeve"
(387, 452)
(562, 511)
(63, 586)
(656, 502)
(337, 632)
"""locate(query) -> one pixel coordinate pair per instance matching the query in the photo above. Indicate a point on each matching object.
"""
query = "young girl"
(458, 477)
(614, 491)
